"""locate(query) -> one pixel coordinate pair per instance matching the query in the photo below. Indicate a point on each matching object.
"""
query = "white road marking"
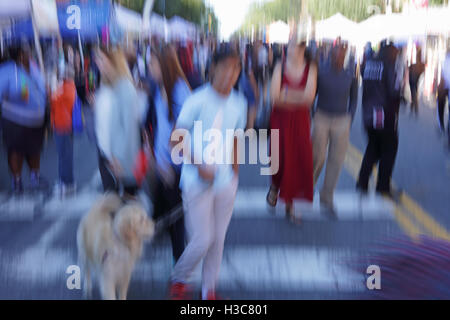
(250, 203)
(349, 206)
(265, 268)
(255, 268)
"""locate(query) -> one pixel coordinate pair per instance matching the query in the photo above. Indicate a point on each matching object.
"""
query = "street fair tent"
(390, 26)
(336, 26)
(129, 20)
(279, 32)
(181, 29)
(15, 9)
(157, 24)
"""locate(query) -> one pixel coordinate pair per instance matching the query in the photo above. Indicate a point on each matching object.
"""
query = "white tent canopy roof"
(14, 9)
(181, 29)
(279, 32)
(128, 19)
(157, 24)
(336, 26)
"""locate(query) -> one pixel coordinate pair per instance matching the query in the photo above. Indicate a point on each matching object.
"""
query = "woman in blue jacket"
(169, 94)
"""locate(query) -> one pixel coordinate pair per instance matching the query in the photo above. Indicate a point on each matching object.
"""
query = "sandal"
(272, 196)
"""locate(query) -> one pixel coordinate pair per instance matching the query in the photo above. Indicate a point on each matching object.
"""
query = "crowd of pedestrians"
(140, 94)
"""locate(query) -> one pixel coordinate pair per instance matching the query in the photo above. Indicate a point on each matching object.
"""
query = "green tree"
(356, 10)
(192, 10)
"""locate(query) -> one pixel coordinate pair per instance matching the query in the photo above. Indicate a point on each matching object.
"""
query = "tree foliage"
(356, 10)
(192, 10)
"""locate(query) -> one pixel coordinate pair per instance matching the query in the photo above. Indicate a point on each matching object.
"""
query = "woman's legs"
(165, 200)
(15, 163)
(64, 144)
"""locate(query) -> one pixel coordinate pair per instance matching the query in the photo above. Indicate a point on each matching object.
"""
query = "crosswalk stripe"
(252, 268)
(249, 203)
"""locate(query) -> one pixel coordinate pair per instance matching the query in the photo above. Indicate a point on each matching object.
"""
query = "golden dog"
(110, 239)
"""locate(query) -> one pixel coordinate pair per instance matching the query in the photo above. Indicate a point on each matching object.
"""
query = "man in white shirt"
(208, 186)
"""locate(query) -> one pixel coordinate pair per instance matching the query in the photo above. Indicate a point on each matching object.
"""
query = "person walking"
(293, 91)
(337, 91)
(209, 188)
(23, 101)
(443, 94)
(170, 82)
(415, 71)
(380, 103)
(117, 124)
(62, 103)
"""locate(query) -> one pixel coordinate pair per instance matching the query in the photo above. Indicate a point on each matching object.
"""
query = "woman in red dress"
(293, 89)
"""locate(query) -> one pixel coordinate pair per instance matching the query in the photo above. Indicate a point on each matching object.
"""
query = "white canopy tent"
(390, 26)
(279, 32)
(336, 26)
(14, 9)
(157, 24)
(181, 29)
(43, 14)
(129, 20)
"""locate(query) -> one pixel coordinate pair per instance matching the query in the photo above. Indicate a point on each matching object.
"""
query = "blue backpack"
(77, 117)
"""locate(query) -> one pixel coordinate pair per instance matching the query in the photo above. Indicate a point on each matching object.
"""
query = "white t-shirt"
(206, 108)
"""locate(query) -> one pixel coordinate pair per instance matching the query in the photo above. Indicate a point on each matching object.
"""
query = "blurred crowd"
(129, 98)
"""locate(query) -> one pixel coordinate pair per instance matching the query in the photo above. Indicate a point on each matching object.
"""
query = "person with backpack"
(380, 104)
(62, 104)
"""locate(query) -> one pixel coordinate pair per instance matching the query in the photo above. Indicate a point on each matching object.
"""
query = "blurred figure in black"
(415, 71)
(443, 94)
(380, 103)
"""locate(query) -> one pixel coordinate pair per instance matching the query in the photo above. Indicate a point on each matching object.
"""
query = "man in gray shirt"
(337, 90)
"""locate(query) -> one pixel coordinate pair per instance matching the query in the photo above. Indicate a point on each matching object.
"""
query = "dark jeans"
(109, 182)
(382, 148)
(64, 146)
(414, 98)
(165, 199)
(442, 99)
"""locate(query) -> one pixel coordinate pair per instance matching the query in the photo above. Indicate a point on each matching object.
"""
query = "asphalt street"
(265, 256)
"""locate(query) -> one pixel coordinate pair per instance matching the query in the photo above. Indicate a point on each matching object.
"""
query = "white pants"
(207, 216)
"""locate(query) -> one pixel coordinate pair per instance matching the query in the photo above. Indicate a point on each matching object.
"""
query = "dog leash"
(169, 219)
